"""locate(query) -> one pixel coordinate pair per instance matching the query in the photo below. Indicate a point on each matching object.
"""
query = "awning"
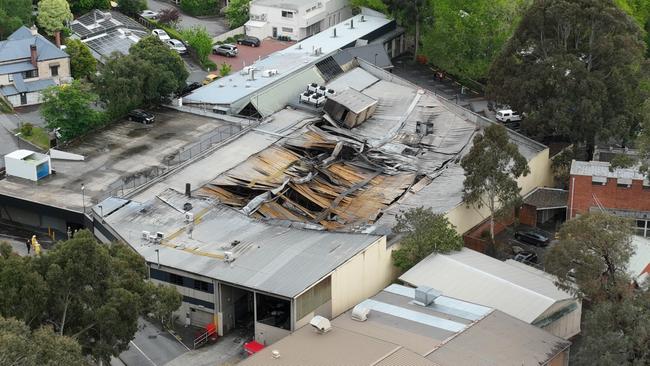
(255, 23)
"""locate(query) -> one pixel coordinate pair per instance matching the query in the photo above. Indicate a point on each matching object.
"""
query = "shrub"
(210, 66)
(200, 7)
(169, 16)
(26, 129)
(225, 69)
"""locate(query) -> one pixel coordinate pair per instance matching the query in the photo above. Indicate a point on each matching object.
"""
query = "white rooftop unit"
(28, 164)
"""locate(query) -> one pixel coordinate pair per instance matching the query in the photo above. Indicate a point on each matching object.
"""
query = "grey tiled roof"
(21, 86)
(17, 47)
(16, 67)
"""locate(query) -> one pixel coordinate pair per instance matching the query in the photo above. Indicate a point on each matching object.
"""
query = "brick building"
(593, 186)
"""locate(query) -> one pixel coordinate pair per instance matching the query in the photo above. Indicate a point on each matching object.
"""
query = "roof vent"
(228, 256)
(363, 19)
(187, 206)
(351, 23)
(275, 353)
(334, 32)
(425, 296)
(360, 313)
(321, 324)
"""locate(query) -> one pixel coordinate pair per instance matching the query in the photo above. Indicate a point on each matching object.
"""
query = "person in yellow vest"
(36, 245)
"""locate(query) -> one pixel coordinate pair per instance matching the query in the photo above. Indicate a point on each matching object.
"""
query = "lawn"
(39, 137)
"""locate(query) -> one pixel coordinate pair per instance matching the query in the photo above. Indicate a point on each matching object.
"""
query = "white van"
(508, 115)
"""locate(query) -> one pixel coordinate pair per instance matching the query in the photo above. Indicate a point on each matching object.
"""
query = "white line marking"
(144, 354)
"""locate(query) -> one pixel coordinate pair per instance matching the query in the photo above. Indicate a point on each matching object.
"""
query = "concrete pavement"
(151, 346)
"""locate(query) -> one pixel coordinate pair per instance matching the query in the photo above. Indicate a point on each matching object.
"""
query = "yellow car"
(210, 78)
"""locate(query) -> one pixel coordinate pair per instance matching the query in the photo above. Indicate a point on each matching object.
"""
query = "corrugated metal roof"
(475, 277)
(353, 100)
(394, 335)
(602, 169)
(280, 260)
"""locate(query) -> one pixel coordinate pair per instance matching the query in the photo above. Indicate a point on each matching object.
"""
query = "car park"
(227, 50)
(532, 237)
(139, 115)
(177, 46)
(508, 115)
(249, 41)
(161, 34)
(149, 14)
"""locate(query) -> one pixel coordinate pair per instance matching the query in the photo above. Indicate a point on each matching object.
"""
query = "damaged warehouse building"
(290, 219)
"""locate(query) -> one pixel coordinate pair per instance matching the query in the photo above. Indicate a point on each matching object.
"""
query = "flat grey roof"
(124, 152)
(228, 90)
(277, 259)
(448, 332)
(602, 169)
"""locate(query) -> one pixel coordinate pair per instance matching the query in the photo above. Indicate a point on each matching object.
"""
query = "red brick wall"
(528, 215)
(610, 195)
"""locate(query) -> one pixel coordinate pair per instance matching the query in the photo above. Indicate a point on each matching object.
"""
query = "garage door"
(199, 317)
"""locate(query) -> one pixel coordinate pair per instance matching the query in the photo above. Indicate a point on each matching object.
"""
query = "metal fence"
(130, 183)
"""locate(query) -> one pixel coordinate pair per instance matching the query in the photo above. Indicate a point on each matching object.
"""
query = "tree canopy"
(492, 167)
(468, 34)
(423, 233)
(132, 7)
(23, 347)
(91, 292)
(573, 66)
(13, 14)
(82, 63)
(616, 333)
(237, 13)
(199, 39)
(84, 6)
(68, 108)
(590, 260)
(53, 15)
(151, 72)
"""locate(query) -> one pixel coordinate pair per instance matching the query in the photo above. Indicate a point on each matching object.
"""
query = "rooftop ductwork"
(425, 296)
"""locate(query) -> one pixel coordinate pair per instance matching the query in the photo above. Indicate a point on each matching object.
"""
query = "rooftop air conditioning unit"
(153, 238)
(360, 313)
(189, 217)
(312, 87)
(160, 235)
(145, 235)
(321, 324)
(228, 256)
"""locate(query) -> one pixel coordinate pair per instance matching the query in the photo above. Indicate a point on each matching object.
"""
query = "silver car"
(227, 50)
(177, 46)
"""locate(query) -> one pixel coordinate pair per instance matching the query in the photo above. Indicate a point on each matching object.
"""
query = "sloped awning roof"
(547, 198)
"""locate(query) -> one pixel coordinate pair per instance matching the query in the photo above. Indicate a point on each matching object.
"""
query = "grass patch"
(38, 137)
(5, 107)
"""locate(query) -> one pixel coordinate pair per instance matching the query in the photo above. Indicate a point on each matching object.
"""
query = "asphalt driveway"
(214, 25)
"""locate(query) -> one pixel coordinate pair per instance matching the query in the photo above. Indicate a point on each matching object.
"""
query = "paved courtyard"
(214, 25)
(247, 55)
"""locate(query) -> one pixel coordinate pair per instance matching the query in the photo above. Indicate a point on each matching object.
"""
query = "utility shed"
(28, 164)
(350, 108)
(516, 289)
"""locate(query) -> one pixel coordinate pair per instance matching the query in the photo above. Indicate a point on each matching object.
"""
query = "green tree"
(423, 232)
(13, 14)
(68, 107)
(169, 16)
(237, 13)
(162, 301)
(492, 168)
(22, 289)
(132, 7)
(53, 15)
(83, 6)
(82, 63)
(573, 66)
(200, 7)
(22, 347)
(590, 260)
(199, 39)
(616, 333)
(377, 5)
(467, 35)
(152, 72)
(412, 14)
(640, 11)
(561, 166)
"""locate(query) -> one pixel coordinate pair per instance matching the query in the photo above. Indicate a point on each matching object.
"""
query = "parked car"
(161, 34)
(210, 78)
(526, 256)
(177, 46)
(249, 41)
(532, 237)
(138, 115)
(149, 14)
(227, 50)
(508, 115)
(190, 88)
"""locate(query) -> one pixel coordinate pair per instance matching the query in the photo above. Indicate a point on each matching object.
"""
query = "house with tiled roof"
(29, 63)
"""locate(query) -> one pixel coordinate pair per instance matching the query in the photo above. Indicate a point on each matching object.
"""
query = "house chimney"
(57, 38)
(34, 59)
(34, 30)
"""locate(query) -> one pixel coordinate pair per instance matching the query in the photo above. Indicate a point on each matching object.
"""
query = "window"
(30, 74)
(287, 14)
(287, 30)
(54, 70)
(10, 77)
(313, 298)
(201, 286)
(176, 279)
